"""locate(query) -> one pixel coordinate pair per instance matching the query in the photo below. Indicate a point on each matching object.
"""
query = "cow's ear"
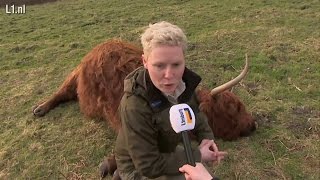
(144, 61)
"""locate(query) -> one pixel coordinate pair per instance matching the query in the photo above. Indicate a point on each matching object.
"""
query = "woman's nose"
(168, 73)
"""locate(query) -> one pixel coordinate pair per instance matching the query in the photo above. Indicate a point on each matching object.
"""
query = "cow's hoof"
(108, 166)
(38, 111)
(116, 176)
(103, 169)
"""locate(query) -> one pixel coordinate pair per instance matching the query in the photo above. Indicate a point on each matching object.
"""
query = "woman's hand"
(210, 152)
(195, 173)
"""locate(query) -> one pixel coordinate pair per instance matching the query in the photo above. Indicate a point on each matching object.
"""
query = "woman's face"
(166, 66)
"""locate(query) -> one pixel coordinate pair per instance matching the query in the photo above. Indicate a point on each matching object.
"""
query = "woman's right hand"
(210, 152)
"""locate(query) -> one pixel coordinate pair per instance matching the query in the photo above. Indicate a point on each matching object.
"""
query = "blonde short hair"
(163, 34)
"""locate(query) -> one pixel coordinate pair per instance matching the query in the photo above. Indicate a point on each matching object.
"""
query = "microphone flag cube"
(182, 117)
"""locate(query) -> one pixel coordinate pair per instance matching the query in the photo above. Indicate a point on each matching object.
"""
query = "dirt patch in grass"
(303, 111)
(23, 2)
(264, 119)
(304, 121)
(252, 87)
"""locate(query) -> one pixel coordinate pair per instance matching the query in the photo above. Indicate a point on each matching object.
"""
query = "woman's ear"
(144, 61)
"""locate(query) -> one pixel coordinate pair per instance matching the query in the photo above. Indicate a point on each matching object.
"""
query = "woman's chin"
(169, 92)
(168, 89)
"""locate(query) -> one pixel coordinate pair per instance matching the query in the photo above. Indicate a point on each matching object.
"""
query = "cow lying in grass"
(97, 82)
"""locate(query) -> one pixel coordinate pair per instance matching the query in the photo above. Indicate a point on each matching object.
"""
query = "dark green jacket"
(146, 141)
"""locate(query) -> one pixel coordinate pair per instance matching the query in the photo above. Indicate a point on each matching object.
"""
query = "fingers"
(222, 153)
(205, 142)
(214, 146)
(185, 168)
(188, 168)
(209, 143)
(210, 151)
(220, 156)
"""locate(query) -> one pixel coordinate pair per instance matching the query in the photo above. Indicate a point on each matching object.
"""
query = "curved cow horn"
(233, 82)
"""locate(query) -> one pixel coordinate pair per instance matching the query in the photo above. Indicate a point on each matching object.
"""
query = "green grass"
(282, 39)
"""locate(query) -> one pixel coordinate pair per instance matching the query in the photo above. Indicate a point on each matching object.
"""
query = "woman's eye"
(159, 66)
(176, 64)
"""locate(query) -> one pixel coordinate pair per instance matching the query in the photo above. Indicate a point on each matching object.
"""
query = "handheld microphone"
(182, 119)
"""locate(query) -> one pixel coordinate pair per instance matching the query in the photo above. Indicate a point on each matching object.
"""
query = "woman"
(146, 146)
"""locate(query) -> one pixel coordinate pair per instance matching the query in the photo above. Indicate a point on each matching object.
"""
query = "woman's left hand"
(210, 152)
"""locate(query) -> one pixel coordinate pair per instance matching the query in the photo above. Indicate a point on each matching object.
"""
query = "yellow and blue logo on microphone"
(185, 116)
(188, 115)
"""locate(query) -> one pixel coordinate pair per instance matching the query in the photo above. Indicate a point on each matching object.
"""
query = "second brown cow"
(97, 82)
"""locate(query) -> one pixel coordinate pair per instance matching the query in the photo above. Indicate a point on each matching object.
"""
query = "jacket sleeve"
(140, 135)
(202, 129)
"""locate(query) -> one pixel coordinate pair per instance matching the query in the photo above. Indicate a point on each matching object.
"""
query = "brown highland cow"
(98, 85)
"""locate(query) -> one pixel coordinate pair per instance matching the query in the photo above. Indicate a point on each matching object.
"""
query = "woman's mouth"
(168, 85)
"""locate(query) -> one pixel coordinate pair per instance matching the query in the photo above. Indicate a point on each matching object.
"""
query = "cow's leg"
(108, 166)
(66, 92)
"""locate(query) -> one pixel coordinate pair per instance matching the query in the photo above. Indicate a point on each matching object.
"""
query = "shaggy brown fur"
(98, 84)
(97, 81)
(227, 116)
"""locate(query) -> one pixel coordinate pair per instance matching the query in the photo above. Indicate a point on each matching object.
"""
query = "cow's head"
(227, 115)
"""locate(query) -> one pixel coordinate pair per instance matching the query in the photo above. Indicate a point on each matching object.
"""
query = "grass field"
(282, 39)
